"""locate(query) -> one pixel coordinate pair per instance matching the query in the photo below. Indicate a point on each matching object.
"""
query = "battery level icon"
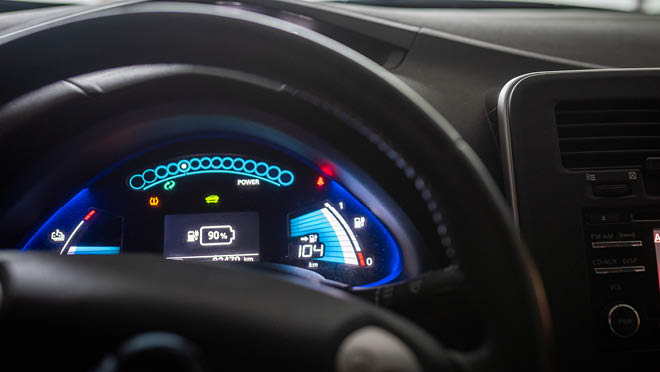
(217, 235)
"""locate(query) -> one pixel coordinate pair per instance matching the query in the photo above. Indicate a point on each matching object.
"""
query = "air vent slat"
(608, 134)
(604, 124)
(613, 143)
(611, 116)
(609, 130)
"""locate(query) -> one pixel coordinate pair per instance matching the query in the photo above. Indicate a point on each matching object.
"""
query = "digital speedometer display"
(222, 200)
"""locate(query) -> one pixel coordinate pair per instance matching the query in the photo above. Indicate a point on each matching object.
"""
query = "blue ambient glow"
(192, 166)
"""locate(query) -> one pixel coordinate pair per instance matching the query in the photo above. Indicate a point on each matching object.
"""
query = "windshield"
(642, 6)
(646, 6)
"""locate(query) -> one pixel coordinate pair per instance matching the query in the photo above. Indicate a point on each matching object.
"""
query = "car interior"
(330, 185)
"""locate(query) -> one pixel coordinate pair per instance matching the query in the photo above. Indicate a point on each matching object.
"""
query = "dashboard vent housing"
(608, 134)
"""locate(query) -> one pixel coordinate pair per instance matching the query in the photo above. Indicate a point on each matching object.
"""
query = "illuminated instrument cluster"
(221, 200)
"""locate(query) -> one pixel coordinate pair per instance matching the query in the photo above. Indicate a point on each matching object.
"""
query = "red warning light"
(89, 215)
(328, 170)
(320, 181)
(154, 201)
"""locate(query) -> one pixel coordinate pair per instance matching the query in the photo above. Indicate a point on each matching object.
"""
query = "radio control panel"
(623, 250)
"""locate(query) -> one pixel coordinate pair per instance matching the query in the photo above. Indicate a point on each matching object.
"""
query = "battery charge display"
(232, 237)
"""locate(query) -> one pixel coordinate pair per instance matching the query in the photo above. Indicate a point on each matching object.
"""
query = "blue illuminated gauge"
(79, 229)
(324, 235)
(248, 204)
(340, 235)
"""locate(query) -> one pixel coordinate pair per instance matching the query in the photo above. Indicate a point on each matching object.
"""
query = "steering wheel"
(71, 312)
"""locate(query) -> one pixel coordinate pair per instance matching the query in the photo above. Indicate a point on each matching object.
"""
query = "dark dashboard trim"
(375, 12)
(508, 50)
(361, 12)
(338, 14)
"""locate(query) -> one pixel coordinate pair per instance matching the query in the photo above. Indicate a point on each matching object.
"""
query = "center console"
(581, 153)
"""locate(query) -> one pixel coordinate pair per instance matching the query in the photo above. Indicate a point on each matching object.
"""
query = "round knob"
(623, 320)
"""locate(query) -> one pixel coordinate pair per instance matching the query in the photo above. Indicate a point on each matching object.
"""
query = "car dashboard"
(228, 199)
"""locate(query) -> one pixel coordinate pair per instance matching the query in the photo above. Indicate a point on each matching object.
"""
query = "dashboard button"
(606, 217)
(617, 244)
(623, 320)
(619, 270)
(612, 190)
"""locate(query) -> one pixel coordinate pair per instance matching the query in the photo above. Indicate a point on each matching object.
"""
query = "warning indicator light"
(212, 199)
(327, 169)
(154, 201)
(89, 215)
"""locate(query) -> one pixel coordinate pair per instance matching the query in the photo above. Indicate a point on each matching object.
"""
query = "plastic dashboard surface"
(577, 149)
(226, 199)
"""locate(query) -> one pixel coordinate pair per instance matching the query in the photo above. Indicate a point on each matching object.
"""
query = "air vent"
(608, 134)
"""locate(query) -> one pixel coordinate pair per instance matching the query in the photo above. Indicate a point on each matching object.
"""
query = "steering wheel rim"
(512, 293)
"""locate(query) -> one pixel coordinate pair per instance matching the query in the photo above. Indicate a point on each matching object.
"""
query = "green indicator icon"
(169, 185)
(212, 199)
